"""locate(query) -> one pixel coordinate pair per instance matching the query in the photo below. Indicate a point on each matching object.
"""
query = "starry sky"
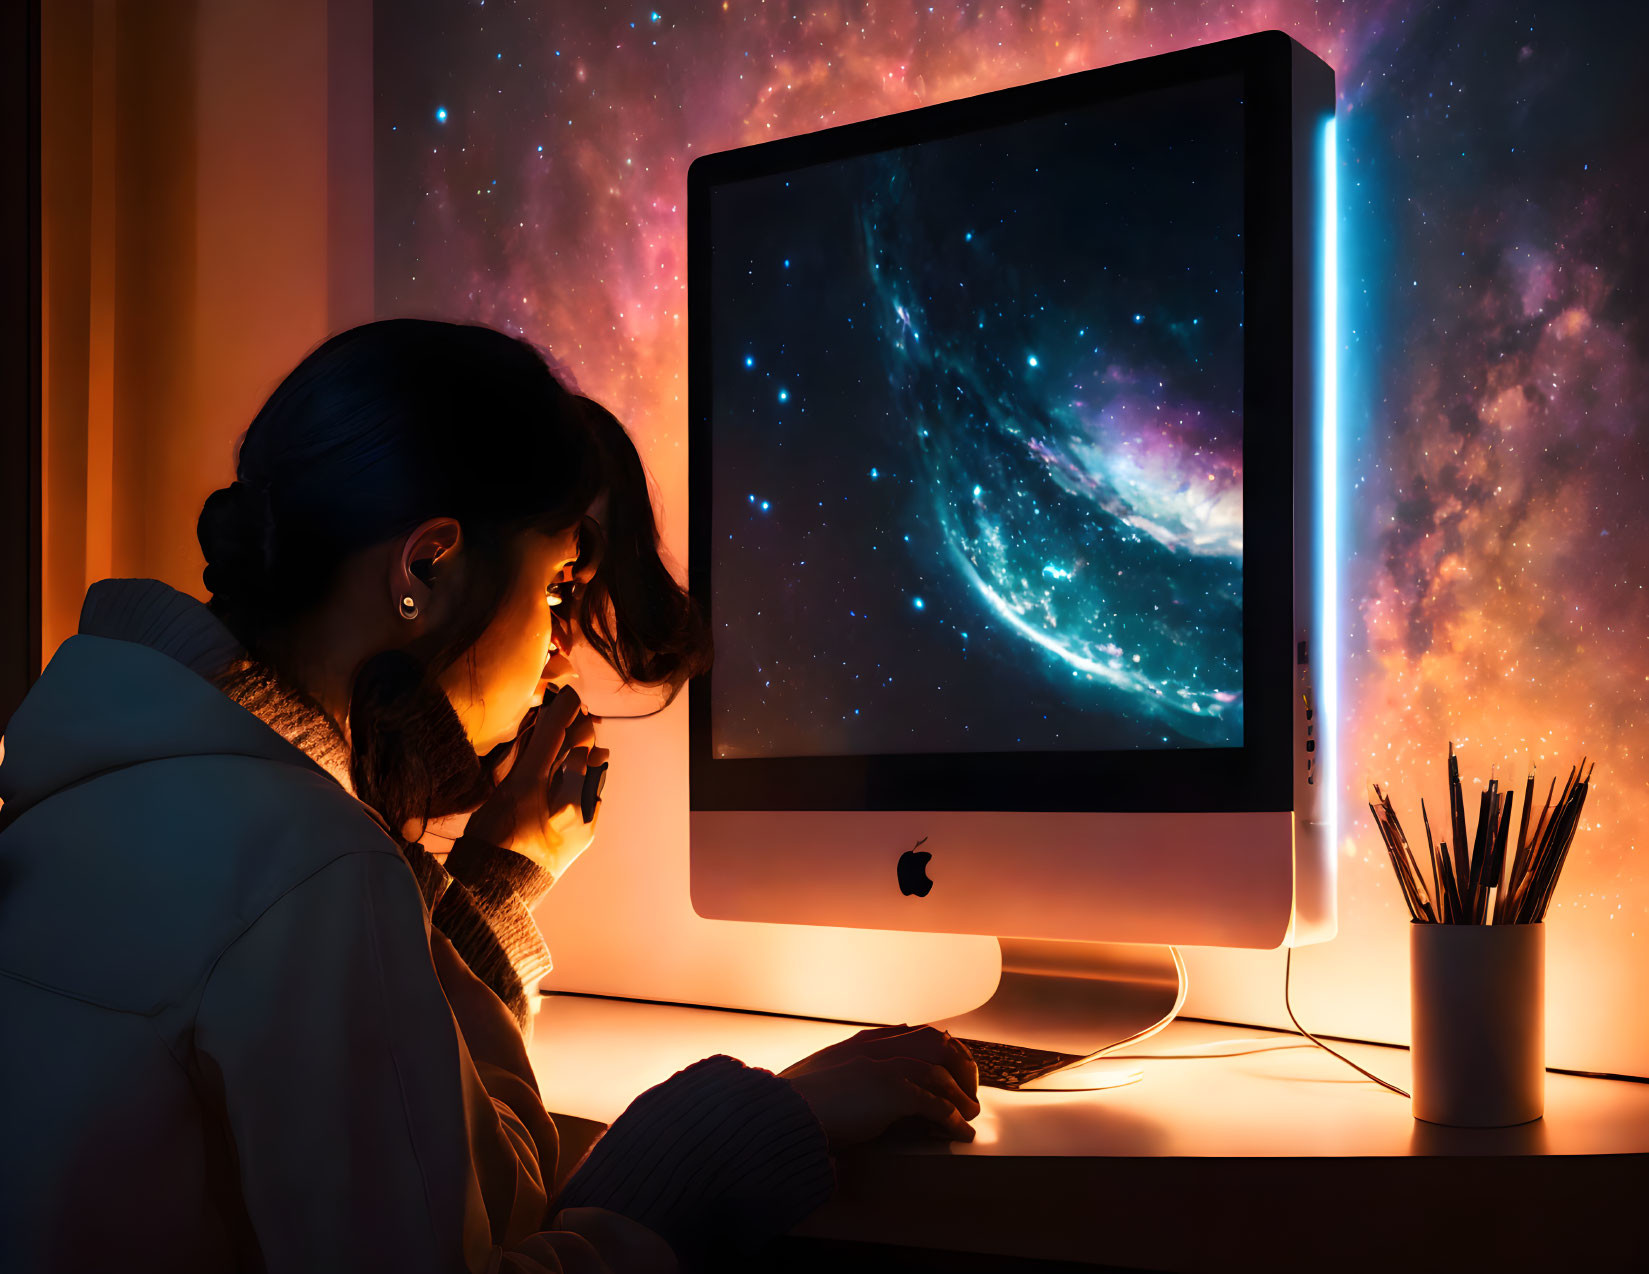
(532, 163)
(978, 434)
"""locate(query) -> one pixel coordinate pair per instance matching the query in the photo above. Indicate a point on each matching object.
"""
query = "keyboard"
(1009, 1065)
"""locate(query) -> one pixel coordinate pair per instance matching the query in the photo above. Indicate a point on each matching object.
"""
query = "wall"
(1495, 401)
(193, 198)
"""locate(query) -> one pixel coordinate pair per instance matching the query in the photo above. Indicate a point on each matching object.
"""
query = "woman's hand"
(536, 810)
(863, 1085)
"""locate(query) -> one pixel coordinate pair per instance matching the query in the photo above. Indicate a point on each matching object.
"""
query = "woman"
(250, 1023)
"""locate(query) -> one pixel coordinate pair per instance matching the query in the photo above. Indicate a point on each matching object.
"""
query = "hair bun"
(236, 531)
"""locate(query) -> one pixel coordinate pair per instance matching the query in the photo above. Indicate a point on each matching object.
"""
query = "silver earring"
(409, 608)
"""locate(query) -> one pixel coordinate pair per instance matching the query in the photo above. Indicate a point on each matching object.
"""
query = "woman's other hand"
(863, 1085)
(536, 810)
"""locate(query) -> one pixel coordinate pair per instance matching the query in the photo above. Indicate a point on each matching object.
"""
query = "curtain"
(206, 220)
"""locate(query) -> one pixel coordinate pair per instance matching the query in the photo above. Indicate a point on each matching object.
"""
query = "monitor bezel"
(1257, 776)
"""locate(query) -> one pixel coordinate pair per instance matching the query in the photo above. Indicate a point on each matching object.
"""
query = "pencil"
(1402, 885)
(1457, 819)
(1497, 867)
(1528, 804)
(1519, 858)
(1375, 807)
(1568, 840)
(1545, 848)
(1405, 858)
(1436, 865)
(1451, 890)
(1479, 852)
(1539, 832)
(1490, 874)
(1560, 851)
(1534, 886)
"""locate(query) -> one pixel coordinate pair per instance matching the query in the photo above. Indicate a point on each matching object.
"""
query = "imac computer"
(1011, 472)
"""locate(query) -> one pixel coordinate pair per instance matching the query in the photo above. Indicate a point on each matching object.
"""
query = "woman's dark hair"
(384, 427)
(632, 611)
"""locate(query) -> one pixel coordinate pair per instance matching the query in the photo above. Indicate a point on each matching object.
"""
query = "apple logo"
(913, 870)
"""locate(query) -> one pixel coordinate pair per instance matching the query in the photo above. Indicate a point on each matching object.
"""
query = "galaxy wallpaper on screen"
(1494, 242)
(977, 440)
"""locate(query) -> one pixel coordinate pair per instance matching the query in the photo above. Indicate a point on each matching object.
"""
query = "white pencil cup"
(1477, 999)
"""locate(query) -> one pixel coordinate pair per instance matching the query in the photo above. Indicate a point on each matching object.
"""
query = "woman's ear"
(416, 576)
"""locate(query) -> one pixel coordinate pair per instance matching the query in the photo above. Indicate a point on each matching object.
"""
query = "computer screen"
(977, 438)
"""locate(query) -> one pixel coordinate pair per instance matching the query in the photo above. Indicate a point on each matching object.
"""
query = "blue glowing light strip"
(1328, 594)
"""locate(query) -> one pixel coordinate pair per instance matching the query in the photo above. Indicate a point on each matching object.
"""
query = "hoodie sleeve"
(364, 1133)
(486, 909)
(718, 1159)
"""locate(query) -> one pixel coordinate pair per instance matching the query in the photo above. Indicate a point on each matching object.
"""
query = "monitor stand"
(1084, 998)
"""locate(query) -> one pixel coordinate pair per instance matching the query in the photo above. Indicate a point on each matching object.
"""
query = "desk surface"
(1274, 1152)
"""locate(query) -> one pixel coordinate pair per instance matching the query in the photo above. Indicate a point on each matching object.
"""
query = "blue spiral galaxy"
(1093, 507)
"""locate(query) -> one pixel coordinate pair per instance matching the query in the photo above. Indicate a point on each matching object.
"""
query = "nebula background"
(977, 418)
(532, 163)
